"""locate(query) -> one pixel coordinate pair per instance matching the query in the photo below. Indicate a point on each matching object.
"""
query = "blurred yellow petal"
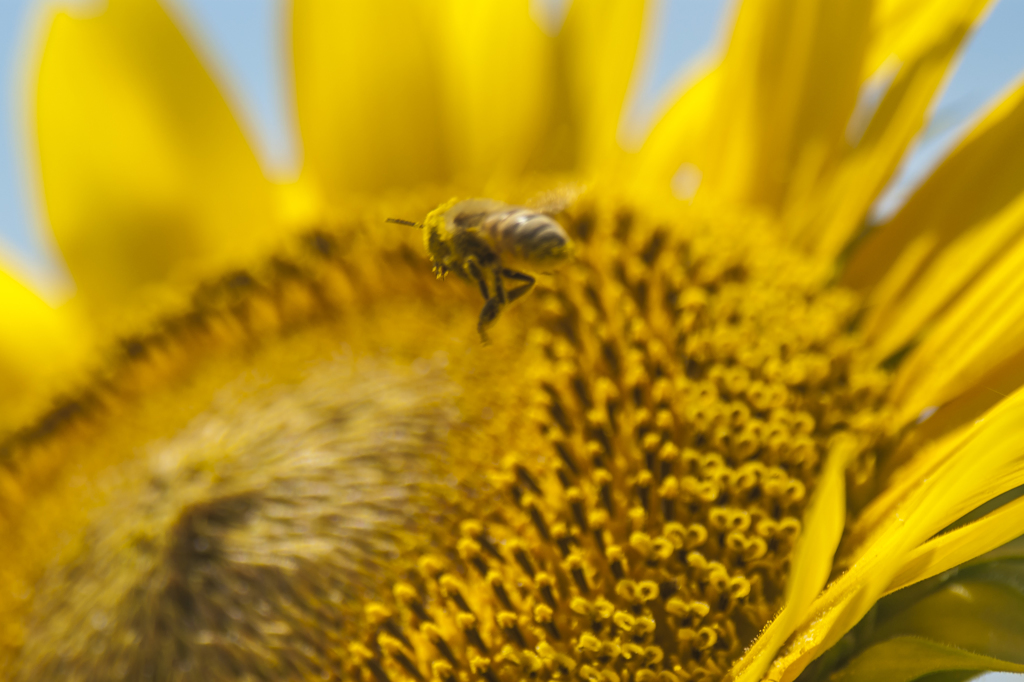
(905, 29)
(678, 137)
(599, 44)
(41, 349)
(983, 328)
(772, 127)
(147, 177)
(498, 80)
(953, 256)
(956, 547)
(828, 220)
(954, 226)
(790, 80)
(366, 129)
(991, 385)
(458, 90)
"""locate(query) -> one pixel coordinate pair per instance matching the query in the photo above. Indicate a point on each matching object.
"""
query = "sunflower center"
(686, 389)
(612, 490)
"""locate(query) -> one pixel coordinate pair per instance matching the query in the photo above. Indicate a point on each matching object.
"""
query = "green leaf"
(904, 658)
(1004, 566)
(976, 608)
(980, 616)
(1003, 570)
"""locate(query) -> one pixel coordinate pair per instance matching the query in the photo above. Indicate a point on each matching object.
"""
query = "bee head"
(440, 252)
(435, 239)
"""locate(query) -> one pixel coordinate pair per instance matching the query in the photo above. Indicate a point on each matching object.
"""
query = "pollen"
(685, 388)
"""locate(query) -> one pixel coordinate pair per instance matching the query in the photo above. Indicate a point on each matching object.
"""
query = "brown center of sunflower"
(618, 496)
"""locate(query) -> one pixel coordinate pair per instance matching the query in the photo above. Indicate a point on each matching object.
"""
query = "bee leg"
(475, 273)
(499, 288)
(521, 290)
(488, 315)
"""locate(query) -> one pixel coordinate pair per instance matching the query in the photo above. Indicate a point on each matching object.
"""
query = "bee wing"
(554, 201)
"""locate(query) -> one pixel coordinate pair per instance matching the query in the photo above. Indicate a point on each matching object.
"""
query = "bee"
(488, 242)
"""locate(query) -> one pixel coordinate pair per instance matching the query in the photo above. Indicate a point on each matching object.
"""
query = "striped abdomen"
(521, 237)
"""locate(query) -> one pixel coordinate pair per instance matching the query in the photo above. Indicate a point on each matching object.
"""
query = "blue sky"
(240, 41)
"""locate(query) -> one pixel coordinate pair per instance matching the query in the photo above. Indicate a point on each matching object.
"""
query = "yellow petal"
(998, 381)
(961, 545)
(756, 140)
(912, 42)
(146, 175)
(820, 633)
(983, 328)
(39, 347)
(951, 229)
(790, 79)
(459, 90)
(678, 137)
(974, 467)
(499, 91)
(811, 562)
(368, 92)
(599, 43)
(368, 128)
(988, 461)
(829, 219)
(906, 28)
(926, 461)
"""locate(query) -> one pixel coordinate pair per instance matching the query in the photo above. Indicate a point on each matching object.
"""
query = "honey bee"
(488, 242)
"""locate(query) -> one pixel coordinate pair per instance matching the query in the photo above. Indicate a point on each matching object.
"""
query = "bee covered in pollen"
(489, 242)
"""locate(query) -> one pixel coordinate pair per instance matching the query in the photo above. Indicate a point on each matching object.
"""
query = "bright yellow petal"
(790, 80)
(599, 44)
(983, 328)
(825, 517)
(39, 347)
(952, 228)
(985, 461)
(988, 461)
(926, 461)
(147, 176)
(961, 545)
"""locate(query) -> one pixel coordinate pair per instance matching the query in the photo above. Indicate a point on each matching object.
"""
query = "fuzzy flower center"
(685, 394)
(611, 491)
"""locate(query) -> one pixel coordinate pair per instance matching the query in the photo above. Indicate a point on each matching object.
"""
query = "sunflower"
(743, 434)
